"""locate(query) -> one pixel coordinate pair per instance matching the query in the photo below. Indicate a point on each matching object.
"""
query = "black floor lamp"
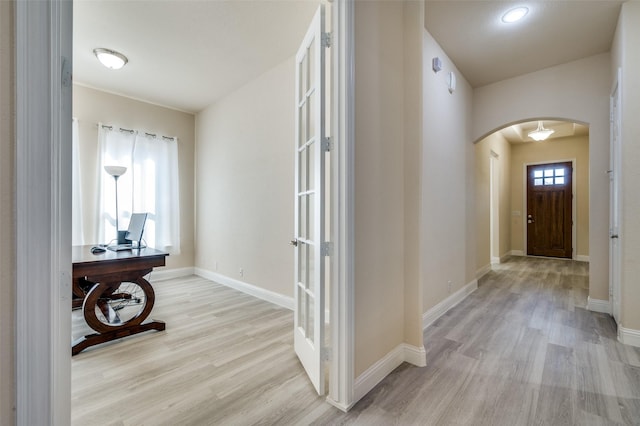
(116, 172)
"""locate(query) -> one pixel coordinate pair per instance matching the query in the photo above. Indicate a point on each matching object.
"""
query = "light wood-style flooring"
(520, 350)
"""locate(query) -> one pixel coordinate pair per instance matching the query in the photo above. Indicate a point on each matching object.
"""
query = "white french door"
(614, 204)
(310, 203)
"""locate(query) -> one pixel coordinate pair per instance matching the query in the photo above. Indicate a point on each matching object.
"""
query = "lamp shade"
(115, 171)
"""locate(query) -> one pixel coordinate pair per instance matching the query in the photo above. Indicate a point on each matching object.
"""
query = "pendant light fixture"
(540, 133)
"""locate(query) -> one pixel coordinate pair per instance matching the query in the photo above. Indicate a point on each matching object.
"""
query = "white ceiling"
(519, 133)
(185, 54)
(486, 50)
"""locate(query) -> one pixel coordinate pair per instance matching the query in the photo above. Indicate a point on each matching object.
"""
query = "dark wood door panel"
(549, 210)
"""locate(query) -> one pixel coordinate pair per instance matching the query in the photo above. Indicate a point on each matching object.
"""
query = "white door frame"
(574, 213)
(43, 371)
(614, 198)
(43, 220)
(341, 303)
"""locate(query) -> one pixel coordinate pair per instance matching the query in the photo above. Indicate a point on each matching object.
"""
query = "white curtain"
(115, 148)
(155, 165)
(150, 185)
(77, 226)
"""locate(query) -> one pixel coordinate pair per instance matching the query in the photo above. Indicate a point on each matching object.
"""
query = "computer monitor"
(136, 228)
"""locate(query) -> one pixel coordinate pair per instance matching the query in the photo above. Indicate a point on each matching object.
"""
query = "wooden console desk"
(114, 296)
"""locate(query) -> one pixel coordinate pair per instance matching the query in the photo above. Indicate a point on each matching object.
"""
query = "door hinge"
(326, 354)
(66, 72)
(327, 145)
(327, 249)
(326, 39)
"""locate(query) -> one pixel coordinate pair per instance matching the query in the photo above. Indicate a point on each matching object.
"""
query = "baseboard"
(495, 260)
(253, 290)
(384, 366)
(516, 253)
(629, 336)
(342, 407)
(441, 308)
(504, 257)
(483, 271)
(168, 274)
(596, 305)
(415, 355)
(582, 258)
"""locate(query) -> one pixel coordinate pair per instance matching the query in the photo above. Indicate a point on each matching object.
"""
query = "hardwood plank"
(521, 350)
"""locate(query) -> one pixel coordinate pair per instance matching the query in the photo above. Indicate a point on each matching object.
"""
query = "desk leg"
(117, 309)
(97, 338)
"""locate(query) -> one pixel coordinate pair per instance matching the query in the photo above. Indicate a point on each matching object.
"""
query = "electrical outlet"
(449, 286)
(241, 272)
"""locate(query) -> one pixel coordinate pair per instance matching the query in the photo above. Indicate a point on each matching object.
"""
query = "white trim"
(414, 355)
(169, 274)
(504, 257)
(43, 198)
(253, 290)
(495, 260)
(342, 306)
(615, 200)
(596, 305)
(582, 258)
(441, 308)
(338, 405)
(483, 271)
(629, 336)
(384, 366)
(516, 253)
(133, 98)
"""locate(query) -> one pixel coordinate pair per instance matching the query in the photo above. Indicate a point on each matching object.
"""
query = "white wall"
(379, 181)
(625, 54)
(7, 215)
(448, 189)
(500, 146)
(576, 91)
(91, 106)
(413, 105)
(245, 182)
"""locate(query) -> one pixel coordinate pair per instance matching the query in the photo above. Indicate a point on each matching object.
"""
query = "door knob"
(294, 242)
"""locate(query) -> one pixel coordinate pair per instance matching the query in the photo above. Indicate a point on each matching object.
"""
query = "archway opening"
(503, 216)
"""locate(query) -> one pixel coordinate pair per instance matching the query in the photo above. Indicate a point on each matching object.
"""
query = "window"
(549, 176)
(150, 185)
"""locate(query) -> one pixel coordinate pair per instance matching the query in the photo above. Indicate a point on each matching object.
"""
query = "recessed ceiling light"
(110, 58)
(514, 15)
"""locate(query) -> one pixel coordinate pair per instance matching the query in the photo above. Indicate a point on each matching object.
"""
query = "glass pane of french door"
(309, 203)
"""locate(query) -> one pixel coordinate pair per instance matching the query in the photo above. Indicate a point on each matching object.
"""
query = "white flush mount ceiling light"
(515, 14)
(110, 58)
(540, 133)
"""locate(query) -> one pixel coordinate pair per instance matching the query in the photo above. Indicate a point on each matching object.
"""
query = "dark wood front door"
(549, 205)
